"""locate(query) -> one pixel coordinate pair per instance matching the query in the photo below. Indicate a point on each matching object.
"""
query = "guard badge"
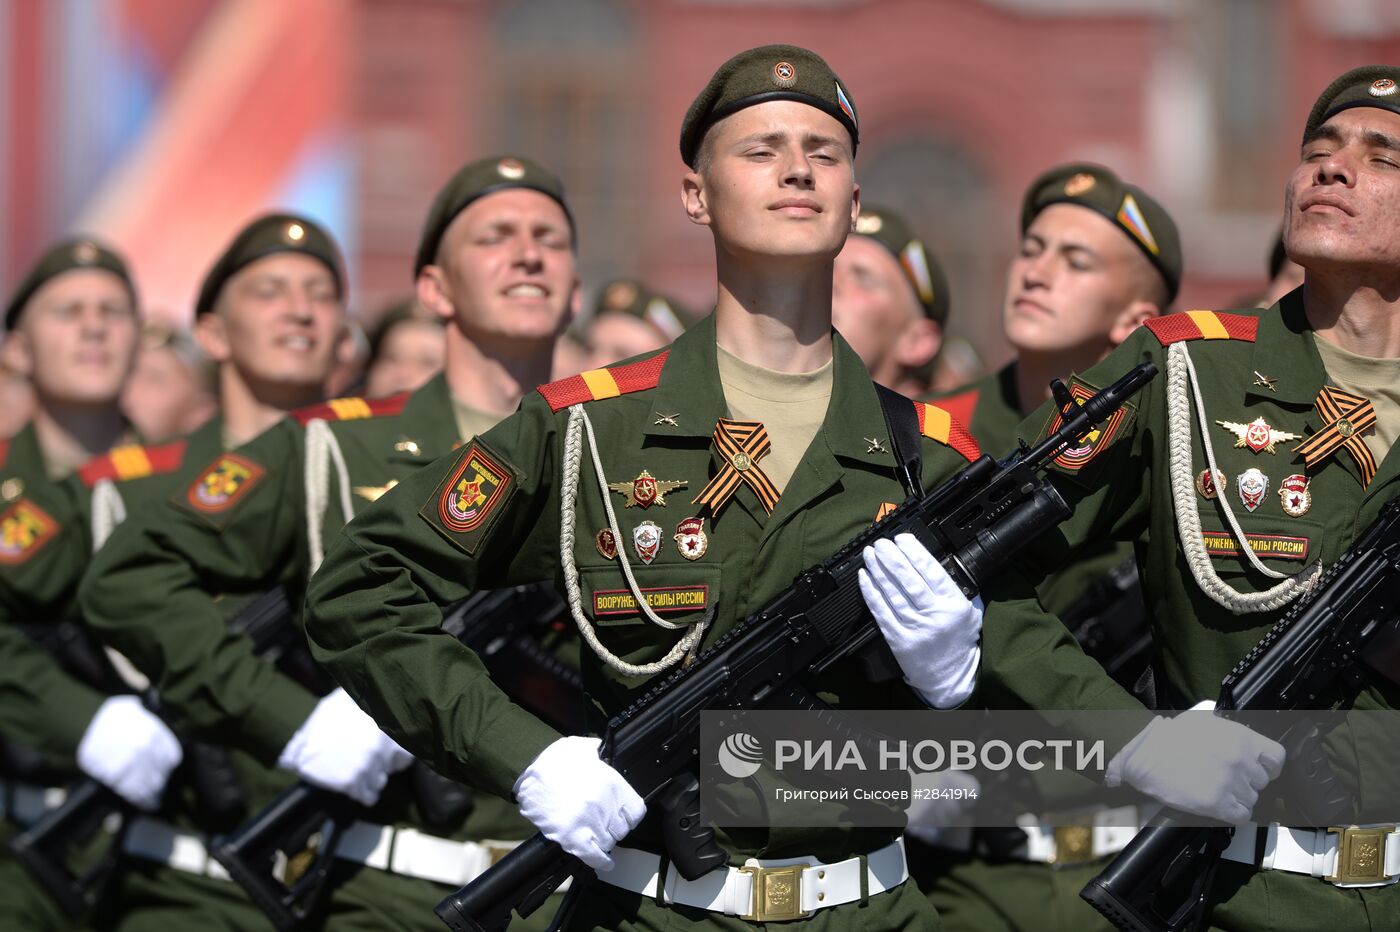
(475, 489)
(1083, 450)
(223, 484)
(690, 538)
(1293, 492)
(24, 529)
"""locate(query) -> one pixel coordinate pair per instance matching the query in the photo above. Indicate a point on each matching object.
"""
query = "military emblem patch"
(646, 490)
(1209, 486)
(223, 484)
(1265, 546)
(1082, 451)
(24, 529)
(476, 488)
(606, 542)
(784, 74)
(673, 599)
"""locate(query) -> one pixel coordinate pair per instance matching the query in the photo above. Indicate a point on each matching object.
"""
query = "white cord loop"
(108, 511)
(1182, 387)
(323, 450)
(579, 423)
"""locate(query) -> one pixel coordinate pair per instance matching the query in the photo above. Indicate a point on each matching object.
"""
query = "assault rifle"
(973, 523)
(283, 856)
(1161, 881)
(47, 847)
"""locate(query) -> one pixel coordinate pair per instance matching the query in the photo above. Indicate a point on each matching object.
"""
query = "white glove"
(576, 799)
(130, 751)
(931, 627)
(1199, 763)
(339, 748)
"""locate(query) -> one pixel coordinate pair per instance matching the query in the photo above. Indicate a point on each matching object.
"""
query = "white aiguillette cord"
(579, 423)
(1182, 387)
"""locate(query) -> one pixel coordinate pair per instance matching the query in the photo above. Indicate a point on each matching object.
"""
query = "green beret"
(770, 72)
(81, 253)
(264, 237)
(1127, 206)
(474, 181)
(628, 296)
(1367, 86)
(923, 271)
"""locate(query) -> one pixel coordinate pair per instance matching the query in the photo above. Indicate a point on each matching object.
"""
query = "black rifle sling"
(903, 425)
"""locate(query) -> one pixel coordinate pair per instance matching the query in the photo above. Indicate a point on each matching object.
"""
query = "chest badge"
(646, 538)
(646, 490)
(873, 445)
(606, 543)
(1209, 486)
(690, 538)
(1295, 495)
(1253, 485)
(1264, 381)
(1257, 435)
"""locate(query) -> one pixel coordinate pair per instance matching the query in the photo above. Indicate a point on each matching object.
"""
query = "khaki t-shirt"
(472, 421)
(791, 405)
(1376, 379)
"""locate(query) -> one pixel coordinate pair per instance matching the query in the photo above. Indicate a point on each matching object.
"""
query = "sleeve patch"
(24, 529)
(466, 503)
(221, 486)
(1082, 452)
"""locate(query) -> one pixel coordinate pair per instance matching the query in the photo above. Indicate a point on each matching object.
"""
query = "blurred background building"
(163, 125)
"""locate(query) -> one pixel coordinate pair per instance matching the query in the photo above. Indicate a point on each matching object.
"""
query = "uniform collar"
(690, 394)
(1284, 351)
(427, 428)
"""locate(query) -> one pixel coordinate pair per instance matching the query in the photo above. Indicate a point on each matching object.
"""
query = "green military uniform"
(990, 892)
(256, 518)
(1253, 367)
(442, 534)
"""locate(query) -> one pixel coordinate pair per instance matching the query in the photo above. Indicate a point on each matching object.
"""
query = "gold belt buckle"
(777, 893)
(1361, 855)
(1074, 844)
(495, 850)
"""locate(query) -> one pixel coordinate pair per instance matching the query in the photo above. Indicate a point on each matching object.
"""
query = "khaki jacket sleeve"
(151, 593)
(374, 609)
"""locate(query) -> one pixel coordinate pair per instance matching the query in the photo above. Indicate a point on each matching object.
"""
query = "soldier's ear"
(919, 342)
(694, 198)
(1137, 313)
(855, 205)
(17, 353)
(432, 293)
(211, 333)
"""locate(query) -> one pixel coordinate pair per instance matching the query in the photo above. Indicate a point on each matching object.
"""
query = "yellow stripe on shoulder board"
(937, 423)
(130, 462)
(601, 383)
(1210, 326)
(350, 409)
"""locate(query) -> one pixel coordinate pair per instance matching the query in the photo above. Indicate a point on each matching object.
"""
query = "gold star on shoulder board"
(373, 493)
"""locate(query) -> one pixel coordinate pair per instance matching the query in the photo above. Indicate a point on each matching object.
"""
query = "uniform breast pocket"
(1287, 545)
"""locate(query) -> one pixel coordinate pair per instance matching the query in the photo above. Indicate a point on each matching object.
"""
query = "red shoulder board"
(4, 451)
(937, 424)
(351, 409)
(596, 384)
(133, 462)
(961, 405)
(1202, 325)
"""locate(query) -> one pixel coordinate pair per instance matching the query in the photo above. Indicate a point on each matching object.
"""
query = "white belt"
(1344, 856)
(153, 840)
(1109, 833)
(25, 803)
(404, 851)
(763, 891)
